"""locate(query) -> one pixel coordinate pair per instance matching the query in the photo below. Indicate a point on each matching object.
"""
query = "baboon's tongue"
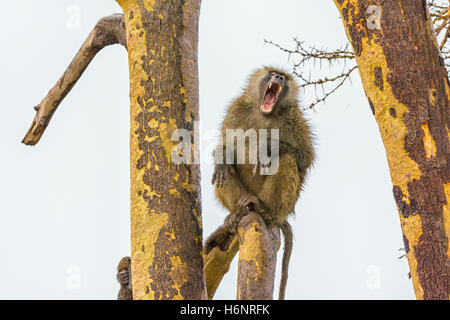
(269, 101)
(270, 97)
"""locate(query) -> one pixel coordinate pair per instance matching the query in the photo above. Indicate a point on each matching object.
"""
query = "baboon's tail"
(288, 243)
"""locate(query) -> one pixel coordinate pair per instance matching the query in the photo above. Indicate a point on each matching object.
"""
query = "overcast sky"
(64, 204)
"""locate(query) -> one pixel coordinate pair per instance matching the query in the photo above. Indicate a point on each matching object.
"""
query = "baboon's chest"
(252, 182)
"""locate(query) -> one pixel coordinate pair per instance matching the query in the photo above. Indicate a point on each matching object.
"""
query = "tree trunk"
(407, 86)
(166, 227)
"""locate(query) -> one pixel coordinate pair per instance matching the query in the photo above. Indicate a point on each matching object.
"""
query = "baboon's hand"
(123, 276)
(221, 173)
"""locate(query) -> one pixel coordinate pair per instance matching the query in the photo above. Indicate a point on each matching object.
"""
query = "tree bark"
(166, 226)
(407, 86)
(258, 246)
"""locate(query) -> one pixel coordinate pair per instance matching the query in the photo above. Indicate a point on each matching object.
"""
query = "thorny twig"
(328, 85)
(305, 55)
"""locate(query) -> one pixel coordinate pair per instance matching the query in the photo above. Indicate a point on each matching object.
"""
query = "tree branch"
(109, 30)
(444, 39)
(440, 17)
(217, 261)
(258, 246)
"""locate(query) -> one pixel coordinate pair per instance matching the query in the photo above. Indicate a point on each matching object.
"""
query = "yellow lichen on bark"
(258, 246)
(180, 274)
(252, 251)
(446, 210)
(412, 230)
(428, 142)
(392, 130)
(141, 258)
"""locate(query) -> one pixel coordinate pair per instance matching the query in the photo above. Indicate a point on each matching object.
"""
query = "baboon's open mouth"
(270, 97)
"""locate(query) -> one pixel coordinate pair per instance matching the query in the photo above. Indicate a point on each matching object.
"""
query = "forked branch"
(440, 18)
(109, 30)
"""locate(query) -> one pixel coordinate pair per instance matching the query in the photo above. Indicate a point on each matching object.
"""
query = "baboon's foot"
(251, 202)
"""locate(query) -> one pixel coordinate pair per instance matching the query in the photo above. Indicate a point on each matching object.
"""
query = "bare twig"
(444, 23)
(109, 30)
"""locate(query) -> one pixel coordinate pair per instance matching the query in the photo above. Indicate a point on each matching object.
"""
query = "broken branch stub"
(258, 246)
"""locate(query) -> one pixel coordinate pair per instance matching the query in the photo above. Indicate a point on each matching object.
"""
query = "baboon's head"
(272, 90)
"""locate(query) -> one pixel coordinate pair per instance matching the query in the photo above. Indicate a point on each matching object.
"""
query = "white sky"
(65, 204)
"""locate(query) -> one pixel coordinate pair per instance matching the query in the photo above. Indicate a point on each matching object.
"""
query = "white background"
(65, 204)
